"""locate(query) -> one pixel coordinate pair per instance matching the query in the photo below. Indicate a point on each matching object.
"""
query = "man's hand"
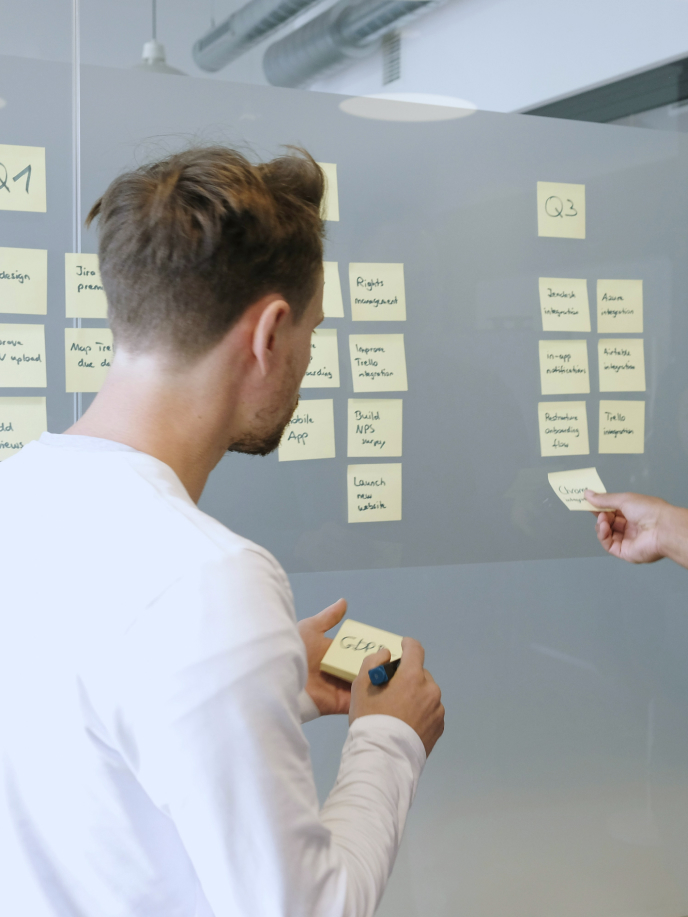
(329, 694)
(412, 695)
(633, 529)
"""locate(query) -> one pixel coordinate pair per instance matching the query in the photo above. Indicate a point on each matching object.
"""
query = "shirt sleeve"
(209, 718)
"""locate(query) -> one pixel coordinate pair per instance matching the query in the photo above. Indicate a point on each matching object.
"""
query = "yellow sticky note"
(333, 304)
(21, 420)
(88, 355)
(22, 356)
(374, 427)
(622, 364)
(564, 304)
(84, 293)
(570, 486)
(310, 432)
(561, 210)
(564, 367)
(374, 492)
(620, 306)
(622, 426)
(563, 428)
(22, 178)
(355, 641)
(323, 369)
(377, 292)
(330, 203)
(24, 281)
(378, 362)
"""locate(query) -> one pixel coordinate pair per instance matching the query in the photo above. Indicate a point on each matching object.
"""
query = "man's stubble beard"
(267, 442)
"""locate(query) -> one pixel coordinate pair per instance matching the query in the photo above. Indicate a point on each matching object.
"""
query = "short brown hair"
(188, 243)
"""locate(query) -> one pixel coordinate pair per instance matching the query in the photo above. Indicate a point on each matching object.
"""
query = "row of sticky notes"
(377, 292)
(564, 427)
(565, 307)
(88, 355)
(564, 366)
(24, 283)
(378, 362)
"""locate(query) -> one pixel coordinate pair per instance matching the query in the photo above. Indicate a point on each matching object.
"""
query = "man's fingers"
(380, 658)
(331, 615)
(412, 653)
(605, 501)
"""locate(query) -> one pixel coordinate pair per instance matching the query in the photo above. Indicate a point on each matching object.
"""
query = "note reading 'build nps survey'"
(24, 281)
(353, 642)
(561, 210)
(564, 368)
(378, 362)
(622, 364)
(88, 355)
(570, 487)
(374, 427)
(333, 304)
(374, 492)
(84, 293)
(377, 292)
(323, 369)
(330, 202)
(563, 428)
(310, 432)
(21, 420)
(22, 356)
(622, 427)
(564, 304)
(22, 178)
(620, 306)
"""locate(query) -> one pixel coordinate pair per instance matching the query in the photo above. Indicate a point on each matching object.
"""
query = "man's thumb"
(604, 501)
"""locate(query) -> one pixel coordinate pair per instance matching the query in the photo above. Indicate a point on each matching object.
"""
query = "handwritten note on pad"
(374, 427)
(561, 210)
(564, 304)
(355, 641)
(88, 355)
(21, 420)
(377, 292)
(563, 428)
(564, 367)
(620, 306)
(22, 178)
(24, 281)
(622, 427)
(22, 356)
(84, 293)
(310, 432)
(323, 369)
(570, 487)
(333, 304)
(622, 364)
(378, 362)
(374, 492)
(330, 203)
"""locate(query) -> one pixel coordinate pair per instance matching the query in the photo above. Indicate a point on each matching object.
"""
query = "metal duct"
(347, 30)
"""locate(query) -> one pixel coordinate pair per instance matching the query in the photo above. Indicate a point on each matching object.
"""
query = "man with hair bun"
(153, 679)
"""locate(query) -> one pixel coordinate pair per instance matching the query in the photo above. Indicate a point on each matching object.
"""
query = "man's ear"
(269, 325)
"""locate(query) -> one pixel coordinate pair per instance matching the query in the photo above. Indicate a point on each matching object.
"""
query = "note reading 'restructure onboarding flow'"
(323, 368)
(570, 487)
(561, 210)
(22, 356)
(84, 293)
(620, 306)
(564, 367)
(333, 304)
(310, 432)
(21, 420)
(563, 428)
(24, 281)
(374, 427)
(622, 427)
(88, 356)
(377, 292)
(378, 362)
(330, 203)
(374, 492)
(22, 178)
(564, 304)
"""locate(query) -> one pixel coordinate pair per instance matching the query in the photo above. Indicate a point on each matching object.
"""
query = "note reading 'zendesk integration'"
(333, 304)
(310, 432)
(563, 428)
(374, 492)
(22, 356)
(88, 356)
(622, 427)
(323, 369)
(377, 292)
(24, 281)
(620, 306)
(622, 364)
(570, 487)
(564, 304)
(564, 368)
(21, 420)
(84, 293)
(375, 427)
(378, 362)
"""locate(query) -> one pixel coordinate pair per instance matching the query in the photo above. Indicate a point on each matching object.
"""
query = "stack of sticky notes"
(353, 643)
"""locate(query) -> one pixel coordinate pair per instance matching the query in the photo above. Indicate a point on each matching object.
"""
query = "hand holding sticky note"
(355, 641)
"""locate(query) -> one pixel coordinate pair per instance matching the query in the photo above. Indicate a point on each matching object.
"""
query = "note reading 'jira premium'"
(620, 306)
(561, 210)
(24, 281)
(621, 364)
(622, 427)
(323, 369)
(310, 432)
(22, 356)
(564, 368)
(563, 428)
(21, 420)
(570, 487)
(378, 362)
(353, 642)
(88, 356)
(377, 292)
(333, 304)
(84, 293)
(374, 492)
(564, 304)
(375, 427)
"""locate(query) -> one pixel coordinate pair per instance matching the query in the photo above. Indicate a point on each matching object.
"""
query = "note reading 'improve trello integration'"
(22, 178)
(377, 292)
(564, 304)
(323, 369)
(570, 487)
(22, 356)
(378, 362)
(84, 293)
(564, 367)
(21, 420)
(561, 210)
(24, 281)
(333, 304)
(622, 427)
(330, 202)
(310, 432)
(622, 364)
(563, 428)
(88, 356)
(374, 427)
(374, 492)
(620, 306)
(353, 642)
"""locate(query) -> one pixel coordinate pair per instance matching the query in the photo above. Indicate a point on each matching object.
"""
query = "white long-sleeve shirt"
(151, 698)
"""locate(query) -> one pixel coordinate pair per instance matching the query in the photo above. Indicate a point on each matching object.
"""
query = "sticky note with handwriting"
(333, 304)
(378, 362)
(564, 367)
(377, 292)
(563, 428)
(310, 432)
(88, 356)
(564, 304)
(22, 356)
(84, 293)
(24, 281)
(620, 306)
(561, 210)
(353, 642)
(374, 427)
(570, 486)
(21, 420)
(622, 364)
(374, 492)
(330, 202)
(323, 369)
(22, 178)
(622, 427)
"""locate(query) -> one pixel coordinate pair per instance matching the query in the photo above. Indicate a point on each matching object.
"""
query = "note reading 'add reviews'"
(378, 362)
(24, 281)
(374, 427)
(88, 355)
(620, 306)
(353, 642)
(561, 210)
(564, 304)
(330, 203)
(84, 293)
(333, 304)
(570, 486)
(323, 369)
(310, 432)
(564, 368)
(377, 292)
(22, 178)
(563, 428)
(622, 364)
(22, 356)
(374, 492)
(21, 420)
(622, 426)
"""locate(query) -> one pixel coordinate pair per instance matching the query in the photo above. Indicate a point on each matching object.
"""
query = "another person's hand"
(633, 529)
(329, 694)
(412, 695)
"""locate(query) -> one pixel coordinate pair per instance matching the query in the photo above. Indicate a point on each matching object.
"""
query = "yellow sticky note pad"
(22, 178)
(378, 362)
(355, 641)
(84, 293)
(374, 427)
(620, 306)
(323, 369)
(564, 304)
(622, 364)
(21, 420)
(333, 304)
(561, 210)
(377, 292)
(622, 427)
(374, 492)
(563, 428)
(24, 281)
(330, 203)
(22, 356)
(564, 367)
(88, 356)
(570, 486)
(310, 432)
